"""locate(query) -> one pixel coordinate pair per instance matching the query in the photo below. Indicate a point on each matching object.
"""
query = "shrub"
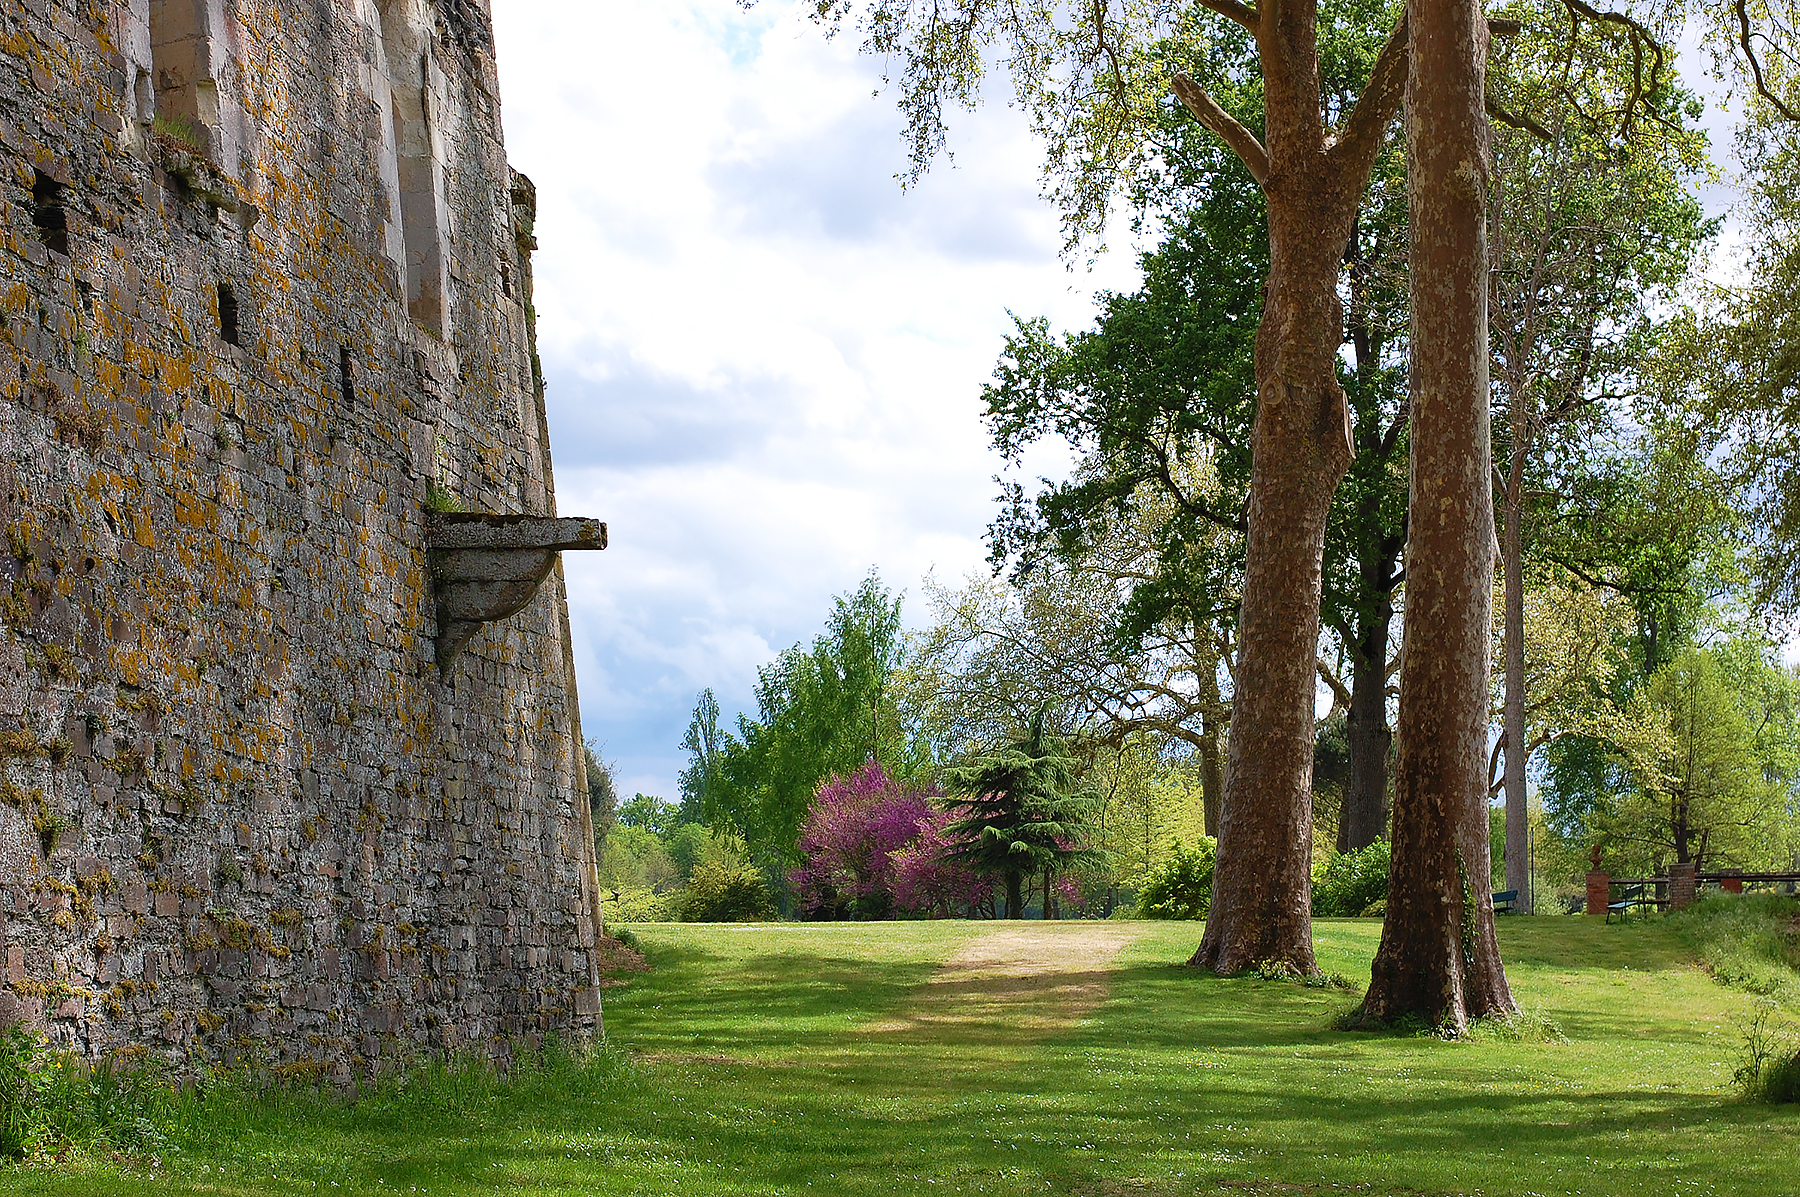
(1181, 886)
(634, 904)
(1353, 881)
(716, 894)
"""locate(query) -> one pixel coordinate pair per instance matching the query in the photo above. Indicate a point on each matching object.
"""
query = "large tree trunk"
(1439, 959)
(1015, 895)
(1518, 858)
(1365, 814)
(1300, 446)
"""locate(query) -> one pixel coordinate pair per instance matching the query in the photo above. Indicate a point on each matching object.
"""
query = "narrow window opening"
(48, 214)
(346, 379)
(228, 314)
(414, 86)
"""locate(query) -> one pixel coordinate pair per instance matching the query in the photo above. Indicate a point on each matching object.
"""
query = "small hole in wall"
(47, 213)
(346, 380)
(228, 314)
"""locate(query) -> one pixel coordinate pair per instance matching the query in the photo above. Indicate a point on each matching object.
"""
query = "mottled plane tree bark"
(1302, 443)
(1439, 959)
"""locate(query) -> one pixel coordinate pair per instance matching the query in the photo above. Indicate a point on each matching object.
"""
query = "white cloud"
(764, 358)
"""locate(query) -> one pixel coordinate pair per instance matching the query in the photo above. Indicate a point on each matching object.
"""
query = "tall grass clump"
(244, 1113)
(1747, 941)
(53, 1102)
(1770, 1071)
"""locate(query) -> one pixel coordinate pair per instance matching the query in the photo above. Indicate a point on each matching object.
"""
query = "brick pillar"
(1682, 885)
(1599, 892)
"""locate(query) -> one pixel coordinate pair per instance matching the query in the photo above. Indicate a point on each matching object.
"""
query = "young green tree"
(820, 711)
(1020, 812)
(1714, 796)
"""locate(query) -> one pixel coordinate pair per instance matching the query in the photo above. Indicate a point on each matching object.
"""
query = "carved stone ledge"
(487, 567)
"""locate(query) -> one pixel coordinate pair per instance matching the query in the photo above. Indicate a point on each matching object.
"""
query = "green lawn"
(781, 1059)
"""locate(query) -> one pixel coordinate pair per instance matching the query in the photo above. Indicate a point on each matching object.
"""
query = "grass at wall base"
(849, 1059)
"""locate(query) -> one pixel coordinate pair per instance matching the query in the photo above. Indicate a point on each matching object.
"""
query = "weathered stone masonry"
(265, 296)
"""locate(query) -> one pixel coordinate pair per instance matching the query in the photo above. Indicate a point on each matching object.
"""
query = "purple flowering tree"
(848, 841)
(928, 882)
(870, 848)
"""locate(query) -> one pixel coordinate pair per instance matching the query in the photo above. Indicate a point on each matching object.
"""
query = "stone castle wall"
(265, 296)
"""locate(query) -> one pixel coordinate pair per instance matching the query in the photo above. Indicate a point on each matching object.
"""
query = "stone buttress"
(265, 313)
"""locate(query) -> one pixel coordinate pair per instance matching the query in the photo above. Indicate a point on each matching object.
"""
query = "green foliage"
(1181, 886)
(603, 796)
(1018, 811)
(820, 711)
(634, 904)
(437, 498)
(181, 130)
(656, 815)
(1717, 792)
(1353, 881)
(717, 894)
(52, 1101)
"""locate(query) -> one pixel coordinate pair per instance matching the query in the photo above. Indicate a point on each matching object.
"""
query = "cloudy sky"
(764, 359)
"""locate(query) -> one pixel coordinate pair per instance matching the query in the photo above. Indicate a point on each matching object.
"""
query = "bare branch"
(1762, 88)
(1242, 141)
(1366, 127)
(1340, 693)
(1244, 15)
(1518, 122)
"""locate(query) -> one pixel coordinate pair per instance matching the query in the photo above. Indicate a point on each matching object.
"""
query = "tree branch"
(1755, 66)
(1339, 692)
(1242, 141)
(1244, 15)
(1363, 131)
(1518, 122)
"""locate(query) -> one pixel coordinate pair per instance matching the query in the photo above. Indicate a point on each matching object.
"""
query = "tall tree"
(1439, 958)
(820, 711)
(1159, 396)
(1090, 76)
(1594, 229)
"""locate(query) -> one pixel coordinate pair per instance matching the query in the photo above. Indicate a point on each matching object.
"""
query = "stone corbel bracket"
(486, 567)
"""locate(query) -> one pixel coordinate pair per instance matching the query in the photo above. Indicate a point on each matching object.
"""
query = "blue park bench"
(1506, 901)
(1630, 898)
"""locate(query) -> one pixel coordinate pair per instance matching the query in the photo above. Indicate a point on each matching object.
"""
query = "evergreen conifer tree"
(1020, 811)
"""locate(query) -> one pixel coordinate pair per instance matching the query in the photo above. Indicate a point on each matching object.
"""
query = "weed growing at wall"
(52, 1102)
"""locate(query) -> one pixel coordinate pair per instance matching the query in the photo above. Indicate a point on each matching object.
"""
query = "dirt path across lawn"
(1033, 979)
